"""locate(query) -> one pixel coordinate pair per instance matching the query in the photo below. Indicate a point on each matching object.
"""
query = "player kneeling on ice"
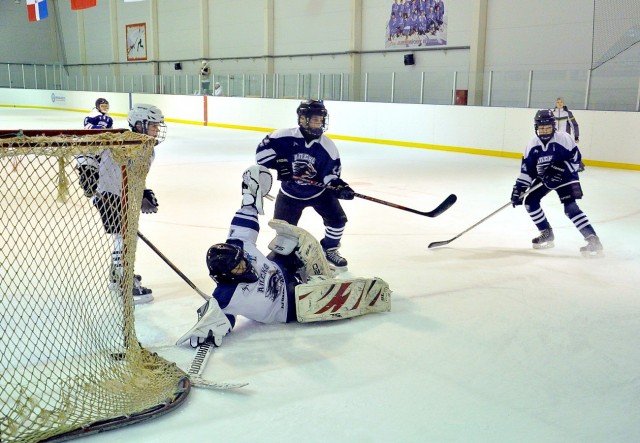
(292, 283)
(553, 158)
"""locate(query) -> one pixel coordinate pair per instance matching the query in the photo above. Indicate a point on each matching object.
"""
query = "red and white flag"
(82, 4)
(37, 10)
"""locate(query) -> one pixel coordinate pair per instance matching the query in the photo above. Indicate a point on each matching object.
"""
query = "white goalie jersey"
(304, 292)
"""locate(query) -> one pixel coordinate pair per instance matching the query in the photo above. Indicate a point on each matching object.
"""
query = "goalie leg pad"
(324, 298)
(309, 249)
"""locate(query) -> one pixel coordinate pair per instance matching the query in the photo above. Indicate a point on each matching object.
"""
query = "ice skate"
(544, 240)
(336, 262)
(593, 247)
(140, 293)
(115, 277)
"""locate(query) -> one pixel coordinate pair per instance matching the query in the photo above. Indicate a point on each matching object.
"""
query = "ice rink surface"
(488, 340)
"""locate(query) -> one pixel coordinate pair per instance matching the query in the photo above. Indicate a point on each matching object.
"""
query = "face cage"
(248, 276)
(162, 131)
(545, 137)
(315, 131)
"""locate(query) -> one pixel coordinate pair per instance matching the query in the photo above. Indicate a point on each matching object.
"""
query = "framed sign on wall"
(136, 41)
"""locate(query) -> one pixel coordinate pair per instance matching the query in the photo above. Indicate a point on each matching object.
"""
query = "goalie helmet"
(102, 105)
(148, 119)
(545, 124)
(313, 108)
(224, 261)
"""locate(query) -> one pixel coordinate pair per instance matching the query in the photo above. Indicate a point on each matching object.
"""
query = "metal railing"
(607, 90)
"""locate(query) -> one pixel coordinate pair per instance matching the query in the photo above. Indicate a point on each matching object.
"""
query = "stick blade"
(435, 244)
(442, 207)
(200, 382)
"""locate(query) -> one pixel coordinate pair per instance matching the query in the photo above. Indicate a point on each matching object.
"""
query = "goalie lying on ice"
(292, 283)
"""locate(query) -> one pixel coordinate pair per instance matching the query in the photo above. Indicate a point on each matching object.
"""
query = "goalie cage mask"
(308, 109)
(223, 258)
(544, 117)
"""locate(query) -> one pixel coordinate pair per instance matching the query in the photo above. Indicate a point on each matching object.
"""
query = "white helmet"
(144, 114)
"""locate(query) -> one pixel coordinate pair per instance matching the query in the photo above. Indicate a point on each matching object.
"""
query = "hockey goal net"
(70, 362)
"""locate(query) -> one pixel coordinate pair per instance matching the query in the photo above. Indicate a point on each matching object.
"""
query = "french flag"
(37, 10)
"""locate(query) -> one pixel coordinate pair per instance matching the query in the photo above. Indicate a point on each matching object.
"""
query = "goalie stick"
(435, 244)
(197, 367)
(172, 266)
(446, 204)
(204, 351)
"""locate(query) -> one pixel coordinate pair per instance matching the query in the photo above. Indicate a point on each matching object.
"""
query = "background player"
(553, 158)
(566, 122)
(99, 118)
(88, 165)
(267, 288)
(306, 152)
(103, 181)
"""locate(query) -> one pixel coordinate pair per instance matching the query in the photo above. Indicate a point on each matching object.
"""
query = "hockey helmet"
(544, 124)
(312, 108)
(102, 105)
(143, 116)
(225, 263)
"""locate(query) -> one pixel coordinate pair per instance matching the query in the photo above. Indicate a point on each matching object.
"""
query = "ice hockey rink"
(488, 340)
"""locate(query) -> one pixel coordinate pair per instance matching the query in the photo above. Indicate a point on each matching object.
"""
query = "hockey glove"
(88, 176)
(342, 189)
(149, 202)
(516, 194)
(285, 171)
(256, 184)
(553, 176)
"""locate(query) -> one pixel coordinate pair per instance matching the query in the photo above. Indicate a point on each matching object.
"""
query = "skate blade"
(545, 245)
(592, 254)
(142, 299)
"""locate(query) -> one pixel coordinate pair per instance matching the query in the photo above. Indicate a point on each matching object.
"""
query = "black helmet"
(308, 109)
(544, 117)
(222, 258)
(101, 101)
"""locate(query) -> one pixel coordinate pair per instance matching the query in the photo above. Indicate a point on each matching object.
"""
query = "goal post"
(70, 362)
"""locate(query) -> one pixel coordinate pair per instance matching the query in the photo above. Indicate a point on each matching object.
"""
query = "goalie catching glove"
(256, 184)
(212, 325)
(149, 202)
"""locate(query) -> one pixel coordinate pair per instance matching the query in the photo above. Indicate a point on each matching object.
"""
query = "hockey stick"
(172, 266)
(446, 204)
(435, 244)
(197, 367)
(202, 354)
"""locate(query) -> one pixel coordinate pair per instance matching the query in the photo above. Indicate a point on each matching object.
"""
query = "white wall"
(606, 138)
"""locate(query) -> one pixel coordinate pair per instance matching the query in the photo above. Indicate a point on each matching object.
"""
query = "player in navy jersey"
(306, 152)
(553, 158)
(99, 118)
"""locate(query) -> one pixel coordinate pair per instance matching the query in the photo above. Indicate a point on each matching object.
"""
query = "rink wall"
(607, 138)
